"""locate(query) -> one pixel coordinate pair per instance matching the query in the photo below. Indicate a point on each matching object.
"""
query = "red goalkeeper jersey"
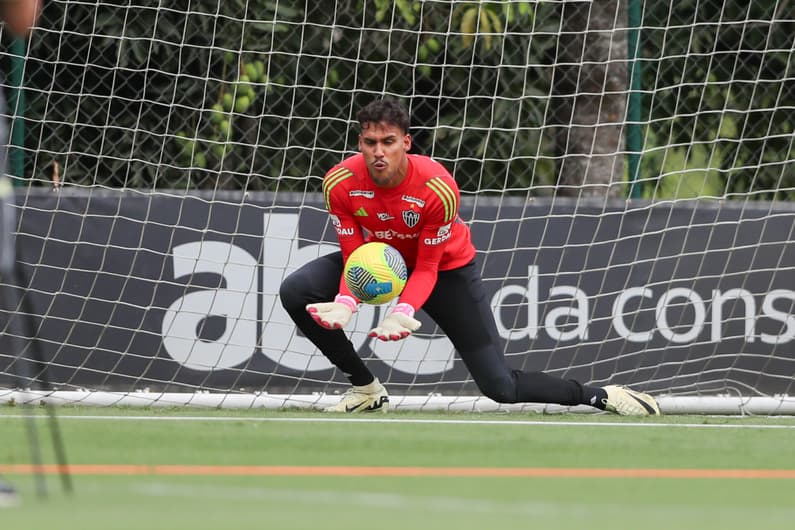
(419, 218)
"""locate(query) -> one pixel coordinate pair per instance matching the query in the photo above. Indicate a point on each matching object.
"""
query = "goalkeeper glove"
(399, 324)
(333, 315)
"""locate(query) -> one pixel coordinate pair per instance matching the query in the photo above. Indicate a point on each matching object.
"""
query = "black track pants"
(458, 304)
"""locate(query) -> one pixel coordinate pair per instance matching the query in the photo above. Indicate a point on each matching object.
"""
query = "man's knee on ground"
(500, 389)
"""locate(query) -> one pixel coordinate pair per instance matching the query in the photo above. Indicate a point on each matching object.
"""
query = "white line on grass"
(550, 423)
(301, 498)
(352, 499)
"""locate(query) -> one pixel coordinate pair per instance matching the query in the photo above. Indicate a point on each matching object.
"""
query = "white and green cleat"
(627, 402)
(367, 398)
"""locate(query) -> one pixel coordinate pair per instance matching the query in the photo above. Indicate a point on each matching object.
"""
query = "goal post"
(626, 170)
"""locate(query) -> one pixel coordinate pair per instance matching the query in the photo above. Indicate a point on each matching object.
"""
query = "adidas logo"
(360, 212)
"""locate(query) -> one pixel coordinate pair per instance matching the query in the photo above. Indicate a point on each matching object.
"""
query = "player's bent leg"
(318, 281)
(627, 402)
(497, 385)
(460, 305)
(367, 398)
(515, 386)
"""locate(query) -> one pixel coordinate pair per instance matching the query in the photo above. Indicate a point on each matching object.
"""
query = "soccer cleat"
(627, 402)
(8, 496)
(367, 398)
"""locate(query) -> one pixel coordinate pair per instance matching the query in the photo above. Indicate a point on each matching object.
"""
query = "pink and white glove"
(399, 324)
(333, 315)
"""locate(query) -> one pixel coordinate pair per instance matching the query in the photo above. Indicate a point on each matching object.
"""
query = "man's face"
(384, 147)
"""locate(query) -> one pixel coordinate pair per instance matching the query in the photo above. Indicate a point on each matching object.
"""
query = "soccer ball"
(375, 273)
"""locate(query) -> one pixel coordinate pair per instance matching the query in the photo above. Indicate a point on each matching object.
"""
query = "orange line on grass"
(380, 471)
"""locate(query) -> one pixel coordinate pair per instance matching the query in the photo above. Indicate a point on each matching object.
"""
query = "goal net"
(627, 170)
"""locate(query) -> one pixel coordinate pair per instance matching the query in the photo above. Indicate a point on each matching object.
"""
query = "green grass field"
(200, 498)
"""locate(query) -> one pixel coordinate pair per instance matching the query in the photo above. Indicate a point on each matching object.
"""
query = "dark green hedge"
(260, 94)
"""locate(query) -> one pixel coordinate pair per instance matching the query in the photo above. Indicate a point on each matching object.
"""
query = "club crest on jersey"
(411, 218)
(413, 200)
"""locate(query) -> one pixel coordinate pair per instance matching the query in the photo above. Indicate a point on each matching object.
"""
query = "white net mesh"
(626, 168)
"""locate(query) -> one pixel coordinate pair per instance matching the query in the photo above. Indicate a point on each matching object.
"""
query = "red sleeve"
(349, 232)
(441, 211)
(423, 278)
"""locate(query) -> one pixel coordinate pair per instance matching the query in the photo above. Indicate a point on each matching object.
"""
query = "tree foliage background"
(260, 94)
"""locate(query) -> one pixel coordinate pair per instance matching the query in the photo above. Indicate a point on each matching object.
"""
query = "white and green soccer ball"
(375, 273)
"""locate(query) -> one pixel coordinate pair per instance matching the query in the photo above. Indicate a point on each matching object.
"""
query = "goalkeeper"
(411, 202)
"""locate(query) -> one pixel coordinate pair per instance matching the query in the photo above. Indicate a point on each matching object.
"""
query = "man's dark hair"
(387, 111)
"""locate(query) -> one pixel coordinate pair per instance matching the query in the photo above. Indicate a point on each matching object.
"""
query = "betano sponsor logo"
(386, 235)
